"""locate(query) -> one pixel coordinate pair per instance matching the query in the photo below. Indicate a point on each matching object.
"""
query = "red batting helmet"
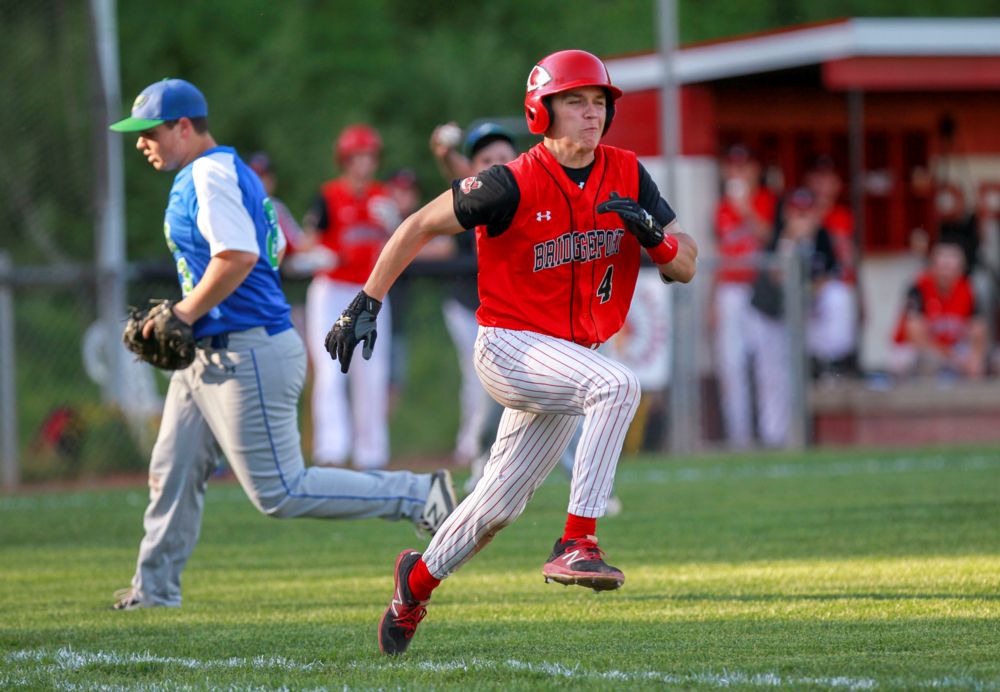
(357, 139)
(562, 71)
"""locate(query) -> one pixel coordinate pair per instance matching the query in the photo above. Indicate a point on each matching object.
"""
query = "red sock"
(579, 527)
(421, 582)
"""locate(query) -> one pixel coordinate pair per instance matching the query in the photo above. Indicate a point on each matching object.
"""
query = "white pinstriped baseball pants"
(545, 385)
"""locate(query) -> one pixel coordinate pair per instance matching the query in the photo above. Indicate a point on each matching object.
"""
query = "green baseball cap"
(168, 99)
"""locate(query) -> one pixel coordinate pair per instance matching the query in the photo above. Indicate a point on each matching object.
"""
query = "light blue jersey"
(217, 203)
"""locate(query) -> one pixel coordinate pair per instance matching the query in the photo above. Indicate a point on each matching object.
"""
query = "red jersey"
(357, 227)
(737, 238)
(560, 268)
(947, 315)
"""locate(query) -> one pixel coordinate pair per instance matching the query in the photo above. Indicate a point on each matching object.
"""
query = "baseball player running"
(560, 232)
(240, 395)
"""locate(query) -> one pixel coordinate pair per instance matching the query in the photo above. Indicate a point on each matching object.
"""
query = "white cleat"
(440, 503)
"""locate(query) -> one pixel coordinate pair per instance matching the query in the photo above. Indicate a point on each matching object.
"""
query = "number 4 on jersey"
(604, 290)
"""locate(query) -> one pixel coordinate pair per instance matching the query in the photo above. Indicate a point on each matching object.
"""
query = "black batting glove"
(355, 324)
(638, 221)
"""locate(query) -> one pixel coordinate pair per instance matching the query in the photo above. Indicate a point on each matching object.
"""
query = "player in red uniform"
(744, 223)
(560, 233)
(941, 330)
(352, 218)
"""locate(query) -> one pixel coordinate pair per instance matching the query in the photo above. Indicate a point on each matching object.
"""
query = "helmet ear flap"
(539, 115)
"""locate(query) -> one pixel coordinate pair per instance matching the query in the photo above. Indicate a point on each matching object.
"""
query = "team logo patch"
(538, 78)
(139, 101)
(469, 184)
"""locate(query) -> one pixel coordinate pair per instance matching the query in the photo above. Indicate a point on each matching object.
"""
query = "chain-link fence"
(769, 361)
(59, 420)
(57, 366)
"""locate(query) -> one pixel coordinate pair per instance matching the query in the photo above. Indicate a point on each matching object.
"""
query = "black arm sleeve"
(651, 201)
(489, 199)
(316, 215)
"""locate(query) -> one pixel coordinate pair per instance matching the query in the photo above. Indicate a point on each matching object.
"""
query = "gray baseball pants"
(242, 401)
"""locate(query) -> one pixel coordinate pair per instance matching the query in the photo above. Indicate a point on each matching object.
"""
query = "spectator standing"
(353, 217)
(744, 222)
(831, 315)
(825, 183)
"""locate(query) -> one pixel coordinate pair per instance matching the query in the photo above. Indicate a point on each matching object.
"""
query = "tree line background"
(287, 76)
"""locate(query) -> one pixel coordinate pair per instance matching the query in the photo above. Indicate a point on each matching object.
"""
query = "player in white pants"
(744, 223)
(831, 315)
(352, 217)
(733, 346)
(561, 232)
(364, 435)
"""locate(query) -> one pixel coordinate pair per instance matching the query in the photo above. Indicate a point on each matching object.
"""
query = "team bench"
(911, 413)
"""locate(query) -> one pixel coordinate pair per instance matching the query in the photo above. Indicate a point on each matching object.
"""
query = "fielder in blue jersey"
(240, 396)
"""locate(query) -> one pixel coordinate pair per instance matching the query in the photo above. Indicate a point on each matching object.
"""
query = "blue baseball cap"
(484, 134)
(168, 99)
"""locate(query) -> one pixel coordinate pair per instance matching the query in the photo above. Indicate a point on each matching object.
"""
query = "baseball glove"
(171, 344)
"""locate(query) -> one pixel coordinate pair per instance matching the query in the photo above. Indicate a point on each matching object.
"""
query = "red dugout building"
(909, 110)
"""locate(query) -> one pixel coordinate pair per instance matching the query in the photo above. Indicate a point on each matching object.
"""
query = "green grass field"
(832, 570)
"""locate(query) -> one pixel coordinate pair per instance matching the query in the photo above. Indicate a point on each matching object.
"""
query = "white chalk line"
(626, 474)
(726, 678)
(859, 467)
(67, 659)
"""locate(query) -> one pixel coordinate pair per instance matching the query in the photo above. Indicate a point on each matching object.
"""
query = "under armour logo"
(543, 216)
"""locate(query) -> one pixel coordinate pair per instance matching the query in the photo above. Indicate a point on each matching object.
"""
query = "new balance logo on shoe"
(579, 561)
(441, 502)
(569, 558)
